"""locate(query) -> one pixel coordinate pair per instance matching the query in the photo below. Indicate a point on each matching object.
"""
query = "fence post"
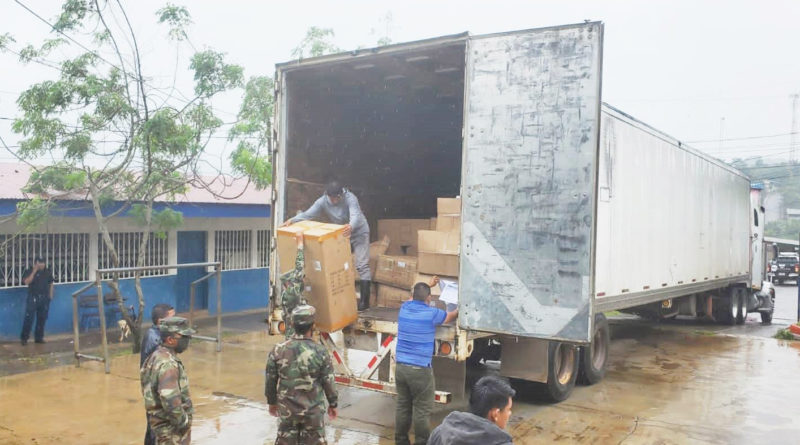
(219, 307)
(76, 330)
(101, 309)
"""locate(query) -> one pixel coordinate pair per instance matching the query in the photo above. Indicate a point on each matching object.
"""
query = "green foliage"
(32, 214)
(73, 13)
(5, 40)
(785, 228)
(253, 132)
(317, 42)
(246, 160)
(59, 178)
(784, 334)
(212, 75)
(178, 19)
(161, 221)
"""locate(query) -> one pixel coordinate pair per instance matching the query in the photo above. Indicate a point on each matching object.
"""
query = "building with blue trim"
(233, 231)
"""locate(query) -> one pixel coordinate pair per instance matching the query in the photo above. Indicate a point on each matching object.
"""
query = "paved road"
(667, 383)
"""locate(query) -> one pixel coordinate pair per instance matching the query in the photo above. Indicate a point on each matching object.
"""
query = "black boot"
(363, 302)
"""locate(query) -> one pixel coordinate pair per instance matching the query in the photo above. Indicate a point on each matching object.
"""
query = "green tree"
(317, 42)
(121, 138)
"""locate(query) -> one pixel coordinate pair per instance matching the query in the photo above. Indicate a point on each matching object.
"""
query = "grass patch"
(705, 333)
(784, 334)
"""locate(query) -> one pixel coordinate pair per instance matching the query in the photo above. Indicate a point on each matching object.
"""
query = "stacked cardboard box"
(329, 271)
(376, 249)
(449, 215)
(397, 271)
(402, 234)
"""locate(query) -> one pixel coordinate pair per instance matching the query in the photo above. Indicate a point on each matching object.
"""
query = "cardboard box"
(287, 243)
(376, 249)
(402, 234)
(449, 223)
(392, 297)
(448, 206)
(398, 271)
(330, 276)
(438, 253)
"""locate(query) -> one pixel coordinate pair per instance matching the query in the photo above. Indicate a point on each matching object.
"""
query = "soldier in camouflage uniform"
(299, 380)
(292, 285)
(165, 386)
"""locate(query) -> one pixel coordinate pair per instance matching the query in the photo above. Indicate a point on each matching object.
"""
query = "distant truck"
(785, 267)
(570, 207)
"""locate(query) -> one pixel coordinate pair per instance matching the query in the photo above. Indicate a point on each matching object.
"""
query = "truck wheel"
(766, 317)
(562, 371)
(595, 356)
(727, 309)
(741, 314)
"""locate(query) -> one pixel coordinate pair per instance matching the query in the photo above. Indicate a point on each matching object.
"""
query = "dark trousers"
(415, 393)
(149, 437)
(38, 306)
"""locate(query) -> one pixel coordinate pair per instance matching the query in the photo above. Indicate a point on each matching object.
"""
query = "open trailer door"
(532, 117)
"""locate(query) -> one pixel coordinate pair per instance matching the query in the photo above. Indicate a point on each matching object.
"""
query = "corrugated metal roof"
(221, 189)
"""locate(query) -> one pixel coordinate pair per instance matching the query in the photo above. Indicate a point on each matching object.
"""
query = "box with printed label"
(329, 274)
(397, 271)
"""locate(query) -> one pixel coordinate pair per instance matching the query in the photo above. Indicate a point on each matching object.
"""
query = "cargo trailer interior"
(388, 126)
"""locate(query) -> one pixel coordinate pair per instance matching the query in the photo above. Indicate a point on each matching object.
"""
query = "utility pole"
(793, 144)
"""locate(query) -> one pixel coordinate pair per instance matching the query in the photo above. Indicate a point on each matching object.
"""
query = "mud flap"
(451, 376)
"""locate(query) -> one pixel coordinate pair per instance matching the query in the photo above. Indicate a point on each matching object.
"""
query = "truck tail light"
(797, 268)
(445, 348)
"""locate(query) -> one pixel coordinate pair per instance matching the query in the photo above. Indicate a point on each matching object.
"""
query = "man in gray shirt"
(340, 206)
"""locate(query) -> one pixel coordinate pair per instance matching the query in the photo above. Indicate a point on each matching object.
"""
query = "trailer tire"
(729, 308)
(766, 317)
(595, 356)
(741, 314)
(562, 371)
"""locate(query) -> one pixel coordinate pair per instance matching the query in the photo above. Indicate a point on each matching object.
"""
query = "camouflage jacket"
(165, 388)
(300, 378)
(292, 294)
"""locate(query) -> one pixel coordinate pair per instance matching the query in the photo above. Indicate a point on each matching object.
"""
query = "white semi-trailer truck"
(570, 207)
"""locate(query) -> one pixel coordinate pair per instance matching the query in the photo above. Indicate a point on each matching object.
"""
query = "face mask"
(183, 343)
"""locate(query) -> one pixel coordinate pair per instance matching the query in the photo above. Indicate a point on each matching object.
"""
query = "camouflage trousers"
(305, 430)
(167, 436)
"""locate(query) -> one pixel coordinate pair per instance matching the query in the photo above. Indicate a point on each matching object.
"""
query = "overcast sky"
(680, 66)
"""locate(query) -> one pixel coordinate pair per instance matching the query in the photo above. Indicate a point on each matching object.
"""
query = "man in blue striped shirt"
(416, 328)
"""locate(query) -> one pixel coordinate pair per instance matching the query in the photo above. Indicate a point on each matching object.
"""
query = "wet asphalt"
(676, 382)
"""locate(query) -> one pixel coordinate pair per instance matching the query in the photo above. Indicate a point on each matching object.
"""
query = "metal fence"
(232, 248)
(66, 255)
(106, 275)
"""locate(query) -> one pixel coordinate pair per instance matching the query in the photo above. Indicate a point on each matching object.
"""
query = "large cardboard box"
(438, 253)
(448, 207)
(402, 234)
(392, 297)
(449, 223)
(287, 243)
(376, 249)
(398, 271)
(330, 275)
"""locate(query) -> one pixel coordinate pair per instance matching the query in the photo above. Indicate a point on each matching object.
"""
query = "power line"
(65, 35)
(742, 138)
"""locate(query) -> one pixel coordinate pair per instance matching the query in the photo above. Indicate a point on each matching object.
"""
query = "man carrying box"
(340, 206)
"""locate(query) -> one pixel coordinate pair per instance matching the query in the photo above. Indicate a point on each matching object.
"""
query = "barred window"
(232, 249)
(263, 248)
(66, 255)
(127, 246)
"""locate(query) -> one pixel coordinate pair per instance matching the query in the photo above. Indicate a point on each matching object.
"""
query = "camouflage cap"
(303, 314)
(176, 325)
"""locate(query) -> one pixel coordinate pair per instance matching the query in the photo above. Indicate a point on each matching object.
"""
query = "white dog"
(124, 330)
